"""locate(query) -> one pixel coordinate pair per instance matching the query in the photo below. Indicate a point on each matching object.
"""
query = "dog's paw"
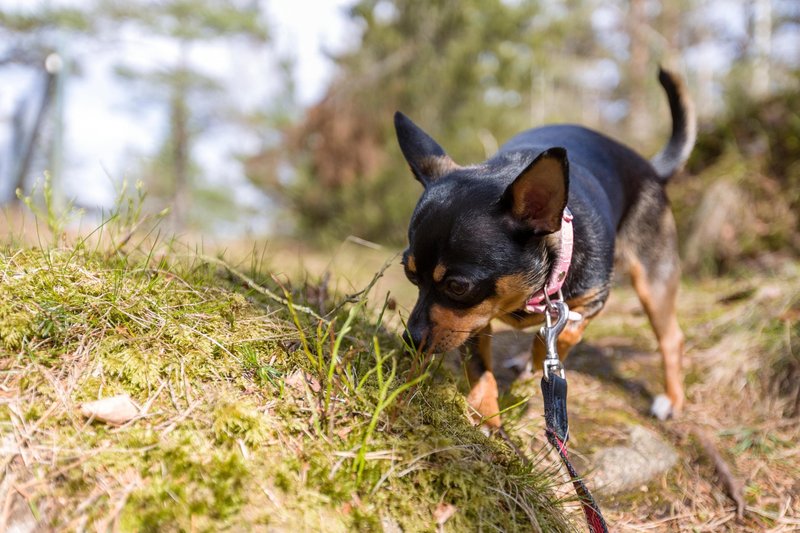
(662, 407)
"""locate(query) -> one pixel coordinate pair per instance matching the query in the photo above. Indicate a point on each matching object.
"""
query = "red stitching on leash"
(594, 518)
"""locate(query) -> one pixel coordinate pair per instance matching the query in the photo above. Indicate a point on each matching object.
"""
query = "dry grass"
(740, 337)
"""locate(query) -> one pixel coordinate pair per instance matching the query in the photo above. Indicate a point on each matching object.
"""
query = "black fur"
(464, 221)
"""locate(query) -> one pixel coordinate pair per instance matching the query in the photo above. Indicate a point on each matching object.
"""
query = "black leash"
(554, 394)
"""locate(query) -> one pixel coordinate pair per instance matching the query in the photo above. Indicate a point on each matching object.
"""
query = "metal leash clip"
(554, 396)
(550, 332)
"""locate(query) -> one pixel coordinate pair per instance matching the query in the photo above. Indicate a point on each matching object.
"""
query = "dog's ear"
(427, 159)
(538, 196)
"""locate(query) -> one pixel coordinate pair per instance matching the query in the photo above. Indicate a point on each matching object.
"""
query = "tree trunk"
(671, 25)
(638, 118)
(29, 147)
(762, 46)
(180, 142)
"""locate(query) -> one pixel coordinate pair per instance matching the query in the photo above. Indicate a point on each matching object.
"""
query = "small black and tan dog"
(483, 238)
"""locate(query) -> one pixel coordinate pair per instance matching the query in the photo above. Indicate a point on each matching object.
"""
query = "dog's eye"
(412, 277)
(456, 287)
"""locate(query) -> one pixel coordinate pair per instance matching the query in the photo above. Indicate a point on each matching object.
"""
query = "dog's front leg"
(482, 398)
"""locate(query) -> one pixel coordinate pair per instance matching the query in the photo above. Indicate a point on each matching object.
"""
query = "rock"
(623, 468)
(114, 410)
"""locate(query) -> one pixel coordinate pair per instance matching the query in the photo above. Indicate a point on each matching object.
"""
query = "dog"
(484, 238)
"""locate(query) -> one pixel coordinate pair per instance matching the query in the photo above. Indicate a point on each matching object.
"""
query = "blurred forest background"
(207, 110)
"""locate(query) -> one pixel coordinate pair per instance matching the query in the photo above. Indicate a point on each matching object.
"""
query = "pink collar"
(535, 303)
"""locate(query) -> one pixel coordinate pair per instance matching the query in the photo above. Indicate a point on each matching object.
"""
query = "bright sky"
(110, 126)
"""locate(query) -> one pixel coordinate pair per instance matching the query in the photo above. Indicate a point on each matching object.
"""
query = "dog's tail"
(684, 127)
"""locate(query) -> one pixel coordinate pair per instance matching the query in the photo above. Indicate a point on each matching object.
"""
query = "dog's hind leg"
(655, 273)
(482, 398)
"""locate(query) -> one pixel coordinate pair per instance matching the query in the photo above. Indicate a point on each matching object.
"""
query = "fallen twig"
(253, 285)
(733, 485)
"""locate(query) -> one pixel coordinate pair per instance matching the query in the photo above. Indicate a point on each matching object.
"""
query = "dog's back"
(624, 176)
(594, 160)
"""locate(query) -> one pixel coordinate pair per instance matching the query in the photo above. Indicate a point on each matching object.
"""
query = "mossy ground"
(741, 366)
(254, 413)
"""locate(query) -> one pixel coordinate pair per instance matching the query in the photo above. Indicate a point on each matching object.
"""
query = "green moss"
(240, 425)
(190, 484)
(238, 420)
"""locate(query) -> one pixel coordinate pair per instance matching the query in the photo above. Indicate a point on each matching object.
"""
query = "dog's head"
(478, 238)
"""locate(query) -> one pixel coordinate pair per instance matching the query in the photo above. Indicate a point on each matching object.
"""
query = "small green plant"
(385, 399)
(56, 219)
(340, 374)
(753, 440)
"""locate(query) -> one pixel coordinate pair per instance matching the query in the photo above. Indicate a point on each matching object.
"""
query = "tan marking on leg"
(585, 299)
(539, 352)
(658, 299)
(439, 272)
(571, 336)
(482, 396)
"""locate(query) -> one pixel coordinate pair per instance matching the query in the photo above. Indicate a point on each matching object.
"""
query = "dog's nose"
(408, 340)
(417, 327)
(413, 341)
